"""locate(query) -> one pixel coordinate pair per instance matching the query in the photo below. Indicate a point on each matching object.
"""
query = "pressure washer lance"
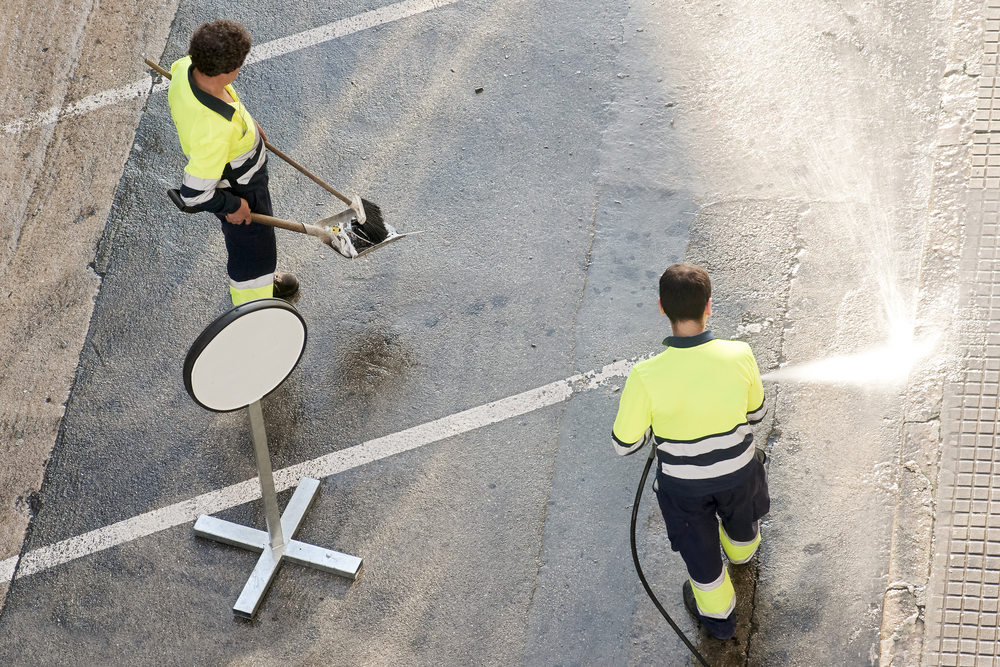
(638, 568)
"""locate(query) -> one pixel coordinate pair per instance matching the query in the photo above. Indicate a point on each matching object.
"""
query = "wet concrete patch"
(374, 364)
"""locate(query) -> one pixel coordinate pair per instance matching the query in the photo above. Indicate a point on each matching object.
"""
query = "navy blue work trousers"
(693, 522)
(252, 249)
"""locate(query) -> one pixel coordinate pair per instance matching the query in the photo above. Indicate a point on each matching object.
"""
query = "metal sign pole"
(263, 457)
(273, 546)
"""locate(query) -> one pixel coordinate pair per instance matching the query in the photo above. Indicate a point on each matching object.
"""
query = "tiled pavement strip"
(962, 610)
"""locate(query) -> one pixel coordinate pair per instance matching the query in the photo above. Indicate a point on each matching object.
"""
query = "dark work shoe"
(718, 628)
(286, 286)
(689, 602)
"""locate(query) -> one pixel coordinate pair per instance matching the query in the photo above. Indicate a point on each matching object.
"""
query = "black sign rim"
(220, 324)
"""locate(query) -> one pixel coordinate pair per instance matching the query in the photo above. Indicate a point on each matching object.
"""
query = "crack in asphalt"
(576, 315)
(774, 433)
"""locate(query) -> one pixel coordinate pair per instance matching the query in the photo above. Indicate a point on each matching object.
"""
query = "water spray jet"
(887, 365)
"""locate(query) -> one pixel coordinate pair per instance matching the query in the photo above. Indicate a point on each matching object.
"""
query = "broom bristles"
(374, 227)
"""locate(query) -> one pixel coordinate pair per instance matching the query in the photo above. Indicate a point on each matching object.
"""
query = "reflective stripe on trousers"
(739, 552)
(717, 599)
(248, 290)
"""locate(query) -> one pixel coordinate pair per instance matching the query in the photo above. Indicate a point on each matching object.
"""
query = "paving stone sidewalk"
(964, 588)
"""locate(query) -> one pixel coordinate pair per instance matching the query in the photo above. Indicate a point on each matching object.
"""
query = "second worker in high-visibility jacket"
(695, 401)
(226, 173)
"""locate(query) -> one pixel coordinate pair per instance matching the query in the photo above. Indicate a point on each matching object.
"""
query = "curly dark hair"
(219, 47)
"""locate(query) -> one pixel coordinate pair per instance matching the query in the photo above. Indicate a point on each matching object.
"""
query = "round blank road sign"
(245, 354)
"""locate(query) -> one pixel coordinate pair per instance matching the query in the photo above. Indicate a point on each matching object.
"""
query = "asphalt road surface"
(557, 157)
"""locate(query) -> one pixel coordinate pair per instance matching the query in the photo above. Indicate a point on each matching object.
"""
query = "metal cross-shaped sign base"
(271, 545)
(270, 559)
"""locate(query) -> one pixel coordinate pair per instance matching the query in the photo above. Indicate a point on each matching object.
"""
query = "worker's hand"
(241, 216)
(261, 130)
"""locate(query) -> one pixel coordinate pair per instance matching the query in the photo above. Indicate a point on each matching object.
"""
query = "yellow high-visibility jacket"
(699, 396)
(220, 140)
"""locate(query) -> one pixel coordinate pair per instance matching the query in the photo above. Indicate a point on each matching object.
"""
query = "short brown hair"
(684, 292)
(219, 47)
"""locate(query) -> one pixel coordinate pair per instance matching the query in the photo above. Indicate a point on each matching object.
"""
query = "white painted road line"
(265, 51)
(91, 103)
(324, 466)
(364, 21)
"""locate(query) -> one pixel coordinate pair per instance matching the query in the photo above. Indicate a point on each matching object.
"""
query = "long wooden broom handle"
(308, 173)
(274, 150)
(291, 226)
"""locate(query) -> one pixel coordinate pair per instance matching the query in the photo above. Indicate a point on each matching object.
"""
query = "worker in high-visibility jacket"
(695, 402)
(226, 173)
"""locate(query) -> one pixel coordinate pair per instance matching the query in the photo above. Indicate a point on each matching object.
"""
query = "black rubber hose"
(638, 568)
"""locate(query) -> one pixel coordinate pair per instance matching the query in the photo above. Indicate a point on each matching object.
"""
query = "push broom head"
(373, 229)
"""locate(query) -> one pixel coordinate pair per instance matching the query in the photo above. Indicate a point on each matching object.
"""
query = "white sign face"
(248, 359)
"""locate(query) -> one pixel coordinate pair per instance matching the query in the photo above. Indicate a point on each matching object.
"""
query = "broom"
(371, 228)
